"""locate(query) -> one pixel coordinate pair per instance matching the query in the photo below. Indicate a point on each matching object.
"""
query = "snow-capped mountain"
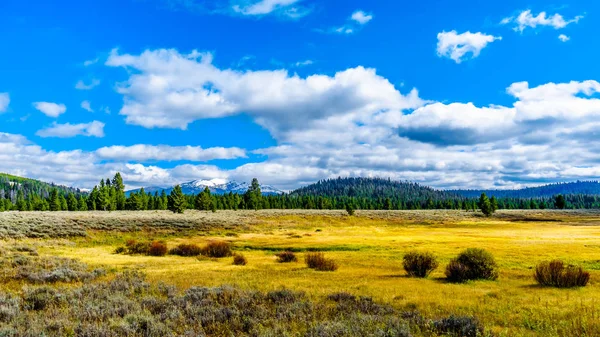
(216, 186)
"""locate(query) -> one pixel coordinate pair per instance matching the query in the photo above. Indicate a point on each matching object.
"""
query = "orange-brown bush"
(135, 247)
(419, 264)
(319, 262)
(556, 274)
(157, 248)
(186, 250)
(217, 249)
(285, 257)
(239, 260)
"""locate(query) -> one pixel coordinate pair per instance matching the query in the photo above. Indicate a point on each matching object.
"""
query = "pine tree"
(72, 203)
(494, 204)
(253, 196)
(177, 200)
(63, 203)
(559, 201)
(54, 201)
(119, 188)
(485, 205)
(82, 204)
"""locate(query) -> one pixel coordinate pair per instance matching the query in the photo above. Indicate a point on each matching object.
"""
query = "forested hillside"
(14, 189)
(546, 191)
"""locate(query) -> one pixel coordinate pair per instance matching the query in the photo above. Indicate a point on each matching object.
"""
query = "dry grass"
(369, 246)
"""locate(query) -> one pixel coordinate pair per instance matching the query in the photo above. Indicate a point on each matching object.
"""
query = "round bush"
(419, 264)
(239, 260)
(186, 250)
(556, 274)
(319, 262)
(217, 249)
(157, 248)
(472, 264)
(286, 257)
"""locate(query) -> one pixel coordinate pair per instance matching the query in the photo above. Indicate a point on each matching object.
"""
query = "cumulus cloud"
(527, 20)
(67, 130)
(80, 85)
(563, 38)
(50, 109)
(361, 17)
(86, 105)
(142, 153)
(4, 101)
(457, 46)
(172, 90)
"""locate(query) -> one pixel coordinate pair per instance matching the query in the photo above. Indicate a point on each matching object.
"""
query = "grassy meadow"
(368, 248)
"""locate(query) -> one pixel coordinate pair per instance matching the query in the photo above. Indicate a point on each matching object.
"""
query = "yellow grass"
(369, 249)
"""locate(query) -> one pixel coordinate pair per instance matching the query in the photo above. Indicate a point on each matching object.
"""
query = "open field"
(367, 247)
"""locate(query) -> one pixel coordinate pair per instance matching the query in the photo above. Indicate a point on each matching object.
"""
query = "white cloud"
(80, 85)
(142, 153)
(361, 17)
(91, 62)
(50, 109)
(456, 46)
(527, 20)
(86, 105)
(303, 63)
(67, 130)
(563, 38)
(4, 101)
(287, 8)
(172, 90)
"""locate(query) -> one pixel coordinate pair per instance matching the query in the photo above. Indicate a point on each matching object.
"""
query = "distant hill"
(10, 186)
(546, 191)
(216, 186)
(372, 188)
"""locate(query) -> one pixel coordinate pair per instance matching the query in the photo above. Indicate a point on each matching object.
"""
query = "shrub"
(459, 326)
(472, 264)
(40, 298)
(120, 250)
(157, 248)
(217, 249)
(134, 247)
(556, 274)
(286, 257)
(319, 262)
(239, 260)
(419, 264)
(186, 250)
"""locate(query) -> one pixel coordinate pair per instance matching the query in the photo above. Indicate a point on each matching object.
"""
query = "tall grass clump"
(557, 274)
(419, 264)
(472, 264)
(217, 249)
(319, 262)
(286, 257)
(186, 250)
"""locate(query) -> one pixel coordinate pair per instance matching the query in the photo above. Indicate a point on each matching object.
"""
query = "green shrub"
(319, 262)
(472, 264)
(186, 250)
(419, 264)
(556, 274)
(157, 248)
(217, 249)
(286, 257)
(239, 260)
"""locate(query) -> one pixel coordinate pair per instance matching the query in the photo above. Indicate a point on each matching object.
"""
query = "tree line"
(109, 195)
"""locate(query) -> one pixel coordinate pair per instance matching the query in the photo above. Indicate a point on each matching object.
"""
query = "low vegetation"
(217, 249)
(472, 264)
(239, 260)
(417, 264)
(186, 250)
(319, 262)
(286, 257)
(557, 274)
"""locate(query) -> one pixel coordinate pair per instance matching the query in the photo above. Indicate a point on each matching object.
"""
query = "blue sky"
(469, 94)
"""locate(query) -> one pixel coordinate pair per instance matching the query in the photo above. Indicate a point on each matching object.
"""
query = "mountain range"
(545, 191)
(216, 186)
